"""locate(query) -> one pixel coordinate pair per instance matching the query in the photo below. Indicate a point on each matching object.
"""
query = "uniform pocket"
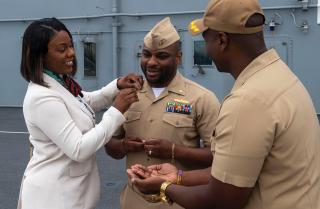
(178, 121)
(178, 128)
(80, 169)
(132, 116)
(133, 126)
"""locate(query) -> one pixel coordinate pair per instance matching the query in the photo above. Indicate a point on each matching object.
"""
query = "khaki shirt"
(150, 119)
(268, 137)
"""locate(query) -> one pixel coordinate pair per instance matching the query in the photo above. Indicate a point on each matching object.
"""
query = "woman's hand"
(130, 81)
(125, 98)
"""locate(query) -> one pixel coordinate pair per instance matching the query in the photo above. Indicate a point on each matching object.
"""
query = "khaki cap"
(228, 16)
(162, 35)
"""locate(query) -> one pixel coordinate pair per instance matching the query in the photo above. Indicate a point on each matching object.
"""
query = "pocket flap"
(132, 115)
(179, 121)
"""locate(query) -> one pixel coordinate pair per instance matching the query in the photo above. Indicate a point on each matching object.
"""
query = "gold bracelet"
(163, 196)
(172, 153)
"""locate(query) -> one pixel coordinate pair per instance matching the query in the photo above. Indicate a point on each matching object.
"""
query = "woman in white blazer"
(62, 173)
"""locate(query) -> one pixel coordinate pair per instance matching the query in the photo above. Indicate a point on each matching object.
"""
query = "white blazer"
(62, 173)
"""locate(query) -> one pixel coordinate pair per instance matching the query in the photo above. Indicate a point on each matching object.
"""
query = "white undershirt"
(157, 91)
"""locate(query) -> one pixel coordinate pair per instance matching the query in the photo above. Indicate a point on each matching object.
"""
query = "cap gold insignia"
(194, 27)
(161, 42)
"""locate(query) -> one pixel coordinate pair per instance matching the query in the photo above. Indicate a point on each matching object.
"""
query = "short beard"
(162, 81)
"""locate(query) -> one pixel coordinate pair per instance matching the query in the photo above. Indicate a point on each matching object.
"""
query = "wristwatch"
(163, 196)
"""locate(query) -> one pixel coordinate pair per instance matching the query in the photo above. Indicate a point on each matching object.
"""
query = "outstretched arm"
(149, 179)
(164, 149)
(118, 148)
(214, 195)
(209, 194)
(103, 97)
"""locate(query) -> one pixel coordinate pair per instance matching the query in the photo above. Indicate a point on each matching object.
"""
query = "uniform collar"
(177, 86)
(255, 66)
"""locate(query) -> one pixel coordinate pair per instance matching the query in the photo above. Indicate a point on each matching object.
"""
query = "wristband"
(179, 177)
(163, 196)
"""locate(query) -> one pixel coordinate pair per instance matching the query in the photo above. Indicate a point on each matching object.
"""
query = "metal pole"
(115, 25)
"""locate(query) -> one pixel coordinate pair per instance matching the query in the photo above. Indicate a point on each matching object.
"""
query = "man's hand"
(133, 144)
(130, 81)
(160, 148)
(141, 171)
(125, 98)
(144, 180)
(166, 171)
(149, 179)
